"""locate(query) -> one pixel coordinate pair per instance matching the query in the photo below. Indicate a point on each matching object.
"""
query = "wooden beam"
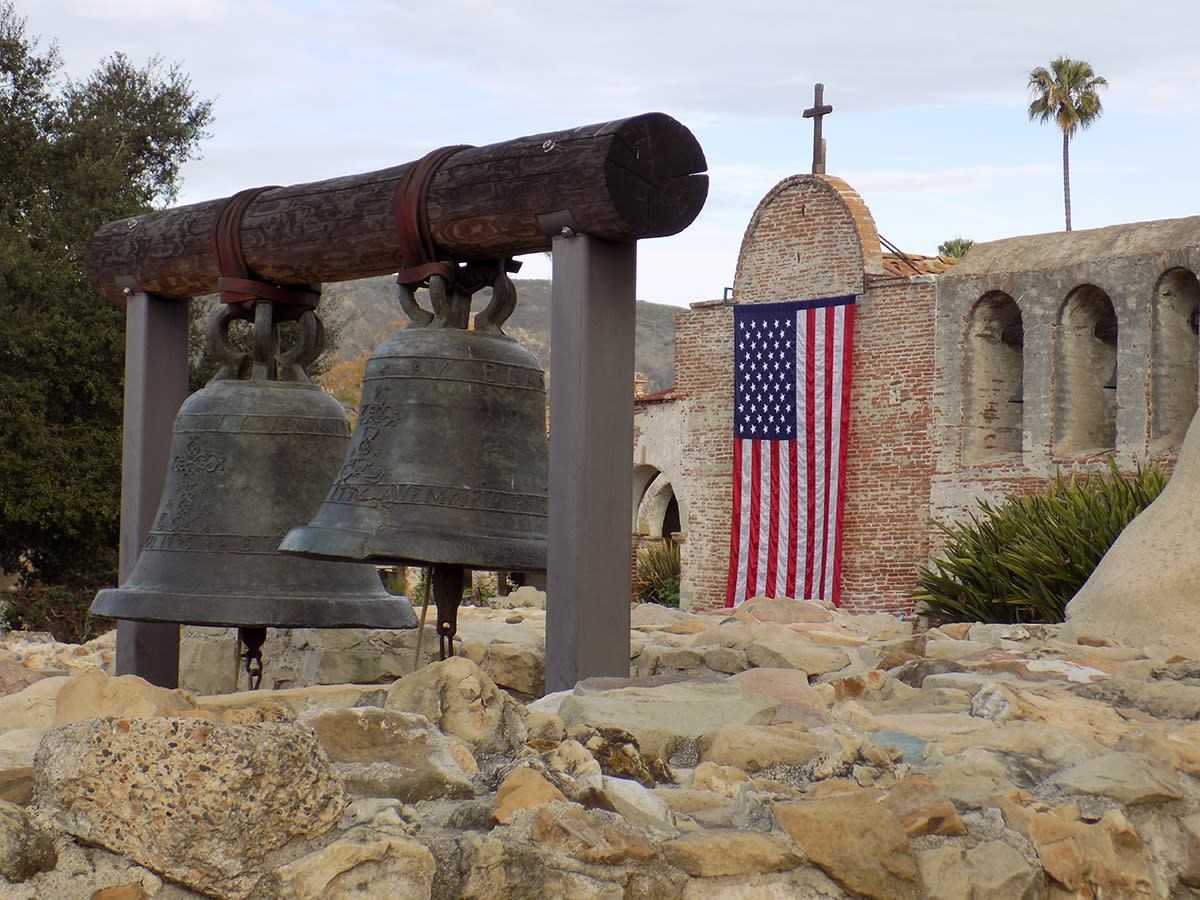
(620, 181)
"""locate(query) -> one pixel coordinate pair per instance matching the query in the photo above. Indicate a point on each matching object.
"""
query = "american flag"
(791, 407)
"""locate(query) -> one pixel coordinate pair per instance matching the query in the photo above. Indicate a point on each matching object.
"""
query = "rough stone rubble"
(784, 751)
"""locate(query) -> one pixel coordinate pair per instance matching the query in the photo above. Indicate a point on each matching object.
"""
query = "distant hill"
(366, 312)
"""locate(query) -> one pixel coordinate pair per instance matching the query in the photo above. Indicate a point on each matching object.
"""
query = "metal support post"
(592, 323)
(156, 374)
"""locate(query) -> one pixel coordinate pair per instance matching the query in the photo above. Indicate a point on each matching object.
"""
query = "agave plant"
(1024, 559)
(658, 569)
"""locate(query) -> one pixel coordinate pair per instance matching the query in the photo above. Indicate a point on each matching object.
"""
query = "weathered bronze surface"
(250, 458)
(449, 464)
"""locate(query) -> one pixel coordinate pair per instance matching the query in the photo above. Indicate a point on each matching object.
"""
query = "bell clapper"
(252, 639)
(447, 595)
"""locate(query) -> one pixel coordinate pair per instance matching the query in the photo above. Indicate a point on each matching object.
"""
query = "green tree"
(75, 155)
(955, 247)
(1067, 93)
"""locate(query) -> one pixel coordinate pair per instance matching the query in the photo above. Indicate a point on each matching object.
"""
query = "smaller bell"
(250, 458)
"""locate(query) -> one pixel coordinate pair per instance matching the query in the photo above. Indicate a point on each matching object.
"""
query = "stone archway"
(1085, 374)
(1175, 314)
(643, 477)
(659, 515)
(993, 379)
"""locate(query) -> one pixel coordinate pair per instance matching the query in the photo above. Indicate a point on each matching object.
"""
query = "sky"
(929, 99)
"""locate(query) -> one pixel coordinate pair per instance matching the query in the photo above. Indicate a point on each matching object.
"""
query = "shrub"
(60, 610)
(658, 570)
(1023, 560)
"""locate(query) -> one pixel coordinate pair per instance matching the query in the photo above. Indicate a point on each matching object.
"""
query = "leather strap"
(237, 286)
(417, 250)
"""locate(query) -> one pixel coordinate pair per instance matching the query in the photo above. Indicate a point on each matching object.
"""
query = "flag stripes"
(791, 412)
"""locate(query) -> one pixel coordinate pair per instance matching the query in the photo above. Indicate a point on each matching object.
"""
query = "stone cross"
(819, 109)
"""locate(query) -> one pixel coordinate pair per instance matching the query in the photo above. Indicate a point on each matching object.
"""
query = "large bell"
(448, 464)
(249, 459)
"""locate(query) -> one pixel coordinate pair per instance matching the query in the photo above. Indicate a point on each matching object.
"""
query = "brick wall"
(704, 383)
(811, 237)
(889, 460)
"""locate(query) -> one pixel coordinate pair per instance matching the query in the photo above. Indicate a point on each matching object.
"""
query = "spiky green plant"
(1024, 559)
(658, 569)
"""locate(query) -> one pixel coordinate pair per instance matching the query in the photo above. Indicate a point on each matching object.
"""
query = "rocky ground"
(784, 751)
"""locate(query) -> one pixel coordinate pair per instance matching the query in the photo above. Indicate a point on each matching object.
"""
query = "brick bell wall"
(812, 236)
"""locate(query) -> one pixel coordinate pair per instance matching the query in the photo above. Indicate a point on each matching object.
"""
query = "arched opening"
(671, 522)
(993, 389)
(1175, 313)
(1085, 365)
(659, 514)
(643, 477)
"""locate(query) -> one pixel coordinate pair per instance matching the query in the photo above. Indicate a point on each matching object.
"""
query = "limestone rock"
(1161, 699)
(952, 650)
(523, 789)
(730, 633)
(1189, 872)
(576, 772)
(181, 795)
(652, 616)
(460, 699)
(590, 836)
(798, 702)
(1107, 859)
(855, 842)
(517, 661)
(297, 701)
(754, 747)
(24, 850)
(1130, 778)
(131, 891)
(390, 753)
(717, 852)
(1143, 591)
(725, 659)
(639, 806)
(15, 677)
(969, 779)
(685, 708)
(97, 694)
(617, 752)
(782, 610)
(698, 808)
(544, 726)
(726, 781)
(791, 650)
(502, 870)
(922, 809)
(18, 746)
(32, 707)
(361, 865)
(16, 784)
(914, 672)
(991, 870)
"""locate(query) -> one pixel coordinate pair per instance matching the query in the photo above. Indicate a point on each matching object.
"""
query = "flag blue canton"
(765, 372)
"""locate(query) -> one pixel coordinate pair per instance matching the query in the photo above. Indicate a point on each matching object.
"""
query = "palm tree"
(1066, 93)
(955, 247)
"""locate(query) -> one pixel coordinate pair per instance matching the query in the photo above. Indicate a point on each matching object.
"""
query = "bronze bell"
(448, 464)
(249, 459)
